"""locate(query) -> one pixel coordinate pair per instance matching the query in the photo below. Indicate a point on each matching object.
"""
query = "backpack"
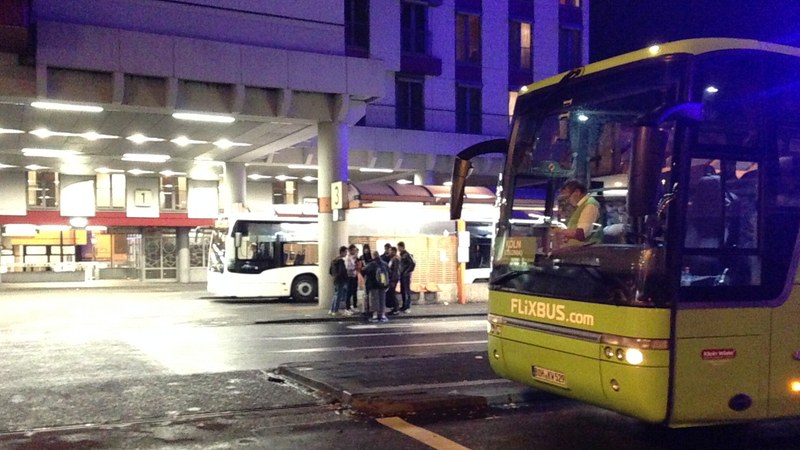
(382, 275)
(337, 269)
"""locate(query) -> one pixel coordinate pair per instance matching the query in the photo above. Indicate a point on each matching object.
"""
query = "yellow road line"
(428, 438)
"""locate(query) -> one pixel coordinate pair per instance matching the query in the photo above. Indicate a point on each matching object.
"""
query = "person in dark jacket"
(375, 291)
(394, 278)
(407, 266)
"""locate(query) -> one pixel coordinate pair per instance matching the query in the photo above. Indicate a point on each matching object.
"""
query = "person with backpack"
(376, 280)
(407, 266)
(338, 271)
(394, 277)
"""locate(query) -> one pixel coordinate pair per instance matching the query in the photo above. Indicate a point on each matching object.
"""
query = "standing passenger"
(376, 280)
(387, 253)
(394, 278)
(351, 262)
(338, 271)
(407, 266)
(366, 257)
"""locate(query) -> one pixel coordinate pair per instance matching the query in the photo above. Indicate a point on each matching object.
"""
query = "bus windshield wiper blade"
(508, 276)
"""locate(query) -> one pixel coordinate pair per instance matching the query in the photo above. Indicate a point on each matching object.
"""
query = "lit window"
(520, 46)
(573, 3)
(43, 189)
(173, 192)
(468, 38)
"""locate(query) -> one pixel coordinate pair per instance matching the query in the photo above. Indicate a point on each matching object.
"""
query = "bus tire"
(304, 288)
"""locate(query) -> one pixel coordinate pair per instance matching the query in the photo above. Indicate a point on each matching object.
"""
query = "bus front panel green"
(721, 366)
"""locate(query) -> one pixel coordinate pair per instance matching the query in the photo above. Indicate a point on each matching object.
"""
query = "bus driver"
(581, 222)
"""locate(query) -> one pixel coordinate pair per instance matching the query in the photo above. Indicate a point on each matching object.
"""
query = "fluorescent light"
(78, 222)
(93, 136)
(226, 144)
(139, 138)
(196, 117)
(6, 166)
(404, 181)
(44, 133)
(375, 170)
(139, 172)
(10, 131)
(303, 166)
(285, 177)
(19, 230)
(309, 179)
(183, 141)
(107, 170)
(67, 107)
(49, 152)
(53, 227)
(447, 183)
(257, 176)
(35, 167)
(145, 157)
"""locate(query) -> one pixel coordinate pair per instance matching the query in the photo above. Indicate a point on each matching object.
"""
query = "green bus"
(682, 307)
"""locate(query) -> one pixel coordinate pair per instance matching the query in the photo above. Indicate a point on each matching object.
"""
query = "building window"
(468, 38)
(43, 190)
(110, 190)
(468, 109)
(520, 46)
(414, 28)
(173, 193)
(410, 108)
(356, 26)
(573, 3)
(284, 192)
(570, 48)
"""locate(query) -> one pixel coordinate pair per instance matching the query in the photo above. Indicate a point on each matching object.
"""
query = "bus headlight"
(634, 356)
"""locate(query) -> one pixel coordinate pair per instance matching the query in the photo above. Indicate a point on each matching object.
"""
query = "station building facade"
(111, 169)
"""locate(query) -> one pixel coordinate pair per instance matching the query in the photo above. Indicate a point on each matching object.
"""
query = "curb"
(355, 318)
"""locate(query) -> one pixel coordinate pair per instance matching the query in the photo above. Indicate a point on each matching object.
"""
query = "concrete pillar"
(235, 187)
(332, 156)
(184, 258)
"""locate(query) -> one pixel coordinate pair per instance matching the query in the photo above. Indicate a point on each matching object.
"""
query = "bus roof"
(687, 46)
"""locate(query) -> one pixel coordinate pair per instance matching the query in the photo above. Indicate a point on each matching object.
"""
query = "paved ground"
(377, 387)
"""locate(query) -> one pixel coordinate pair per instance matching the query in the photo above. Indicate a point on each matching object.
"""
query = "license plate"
(549, 376)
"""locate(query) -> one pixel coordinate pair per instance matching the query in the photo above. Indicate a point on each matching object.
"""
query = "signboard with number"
(338, 194)
(143, 198)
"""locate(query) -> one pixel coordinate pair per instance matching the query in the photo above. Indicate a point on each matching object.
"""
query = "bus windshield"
(588, 136)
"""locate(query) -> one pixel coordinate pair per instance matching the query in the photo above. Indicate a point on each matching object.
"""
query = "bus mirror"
(648, 159)
(461, 169)
(237, 239)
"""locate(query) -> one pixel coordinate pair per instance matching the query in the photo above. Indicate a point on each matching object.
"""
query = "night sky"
(620, 26)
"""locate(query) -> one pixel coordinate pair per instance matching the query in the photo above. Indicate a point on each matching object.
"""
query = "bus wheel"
(304, 288)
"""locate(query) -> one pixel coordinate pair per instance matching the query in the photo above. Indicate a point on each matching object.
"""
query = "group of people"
(381, 274)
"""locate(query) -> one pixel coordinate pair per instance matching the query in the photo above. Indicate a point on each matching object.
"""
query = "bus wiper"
(508, 276)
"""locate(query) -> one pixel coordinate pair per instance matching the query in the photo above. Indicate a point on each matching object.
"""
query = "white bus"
(258, 256)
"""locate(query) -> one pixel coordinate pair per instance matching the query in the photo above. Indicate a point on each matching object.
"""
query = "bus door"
(721, 331)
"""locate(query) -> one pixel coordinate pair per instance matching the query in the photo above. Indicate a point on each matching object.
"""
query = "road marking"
(372, 347)
(428, 438)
